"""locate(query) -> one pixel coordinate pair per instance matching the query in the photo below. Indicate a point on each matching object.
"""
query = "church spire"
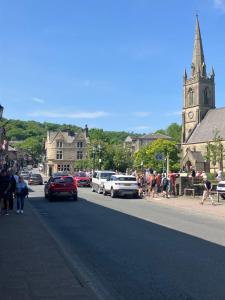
(198, 61)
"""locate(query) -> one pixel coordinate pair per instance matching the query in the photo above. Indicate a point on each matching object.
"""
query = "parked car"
(35, 179)
(60, 186)
(82, 179)
(98, 180)
(221, 188)
(25, 175)
(121, 185)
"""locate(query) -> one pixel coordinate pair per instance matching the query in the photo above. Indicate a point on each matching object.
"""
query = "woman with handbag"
(21, 193)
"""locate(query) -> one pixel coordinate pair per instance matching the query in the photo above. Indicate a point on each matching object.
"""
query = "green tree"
(215, 151)
(33, 147)
(147, 155)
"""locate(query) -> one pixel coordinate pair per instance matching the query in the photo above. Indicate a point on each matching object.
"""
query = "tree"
(215, 151)
(33, 147)
(148, 154)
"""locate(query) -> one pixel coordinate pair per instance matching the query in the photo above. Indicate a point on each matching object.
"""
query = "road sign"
(159, 156)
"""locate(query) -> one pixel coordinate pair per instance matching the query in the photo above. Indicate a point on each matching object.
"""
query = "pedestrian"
(153, 186)
(12, 189)
(4, 190)
(21, 193)
(207, 191)
(164, 185)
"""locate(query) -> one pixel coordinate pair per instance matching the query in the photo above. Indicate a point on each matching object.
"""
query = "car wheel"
(99, 190)
(112, 193)
(223, 196)
(92, 189)
(75, 197)
(104, 191)
(50, 197)
(136, 196)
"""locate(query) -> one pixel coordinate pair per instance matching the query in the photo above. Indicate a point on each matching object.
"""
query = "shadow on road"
(134, 258)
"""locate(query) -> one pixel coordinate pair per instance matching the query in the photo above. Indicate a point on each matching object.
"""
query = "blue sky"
(111, 64)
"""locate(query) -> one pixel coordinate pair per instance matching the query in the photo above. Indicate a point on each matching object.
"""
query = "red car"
(82, 179)
(60, 186)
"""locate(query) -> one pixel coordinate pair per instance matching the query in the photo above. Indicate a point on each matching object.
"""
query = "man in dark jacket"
(4, 190)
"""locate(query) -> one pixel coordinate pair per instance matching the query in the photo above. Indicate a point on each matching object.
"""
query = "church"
(202, 122)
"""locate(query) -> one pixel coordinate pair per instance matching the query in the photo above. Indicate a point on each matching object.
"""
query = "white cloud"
(220, 4)
(75, 115)
(142, 113)
(38, 100)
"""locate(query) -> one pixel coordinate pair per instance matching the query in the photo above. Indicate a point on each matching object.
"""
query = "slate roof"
(205, 131)
(155, 136)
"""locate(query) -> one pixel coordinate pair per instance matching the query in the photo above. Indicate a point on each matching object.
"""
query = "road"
(131, 249)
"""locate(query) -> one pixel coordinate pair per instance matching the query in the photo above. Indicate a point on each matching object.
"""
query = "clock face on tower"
(190, 114)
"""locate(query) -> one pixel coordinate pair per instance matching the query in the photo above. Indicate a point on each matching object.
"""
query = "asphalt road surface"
(130, 249)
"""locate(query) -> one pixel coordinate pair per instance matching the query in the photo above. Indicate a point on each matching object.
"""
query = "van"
(98, 179)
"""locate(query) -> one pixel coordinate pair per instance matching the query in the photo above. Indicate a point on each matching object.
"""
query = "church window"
(190, 97)
(206, 96)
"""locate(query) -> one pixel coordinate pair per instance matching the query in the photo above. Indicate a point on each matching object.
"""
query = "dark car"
(82, 179)
(35, 179)
(61, 186)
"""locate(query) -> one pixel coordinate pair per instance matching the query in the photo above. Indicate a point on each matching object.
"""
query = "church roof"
(205, 131)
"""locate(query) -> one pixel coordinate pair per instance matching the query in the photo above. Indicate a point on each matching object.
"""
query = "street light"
(94, 153)
(99, 159)
(1, 111)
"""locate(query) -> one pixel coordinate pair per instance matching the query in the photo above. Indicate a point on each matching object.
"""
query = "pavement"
(192, 205)
(31, 264)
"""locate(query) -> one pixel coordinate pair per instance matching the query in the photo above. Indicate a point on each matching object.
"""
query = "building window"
(59, 144)
(190, 97)
(63, 168)
(79, 144)
(79, 155)
(206, 96)
(59, 154)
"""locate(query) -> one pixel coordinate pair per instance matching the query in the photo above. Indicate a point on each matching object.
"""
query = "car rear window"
(106, 175)
(36, 175)
(221, 185)
(63, 179)
(125, 178)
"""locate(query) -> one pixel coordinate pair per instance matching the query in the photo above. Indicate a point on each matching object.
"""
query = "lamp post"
(1, 111)
(99, 153)
(94, 153)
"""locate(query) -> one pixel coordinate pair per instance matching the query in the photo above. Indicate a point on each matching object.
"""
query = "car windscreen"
(125, 178)
(106, 175)
(63, 180)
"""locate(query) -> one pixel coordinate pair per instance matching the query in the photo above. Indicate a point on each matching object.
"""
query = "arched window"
(206, 96)
(190, 97)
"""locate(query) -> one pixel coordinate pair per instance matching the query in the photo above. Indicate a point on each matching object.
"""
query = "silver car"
(221, 188)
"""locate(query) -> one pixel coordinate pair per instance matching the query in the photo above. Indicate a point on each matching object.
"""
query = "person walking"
(21, 193)
(207, 192)
(164, 185)
(12, 189)
(4, 190)
(153, 186)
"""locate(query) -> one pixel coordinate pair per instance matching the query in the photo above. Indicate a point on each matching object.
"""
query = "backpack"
(165, 181)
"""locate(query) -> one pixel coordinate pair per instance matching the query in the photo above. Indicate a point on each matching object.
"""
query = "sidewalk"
(192, 205)
(31, 266)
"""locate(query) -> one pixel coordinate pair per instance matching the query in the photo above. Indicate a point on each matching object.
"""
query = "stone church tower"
(198, 89)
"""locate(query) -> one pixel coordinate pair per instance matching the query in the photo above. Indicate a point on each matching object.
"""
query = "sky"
(111, 64)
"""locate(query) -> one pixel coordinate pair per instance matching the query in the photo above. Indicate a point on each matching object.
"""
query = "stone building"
(135, 143)
(201, 120)
(63, 149)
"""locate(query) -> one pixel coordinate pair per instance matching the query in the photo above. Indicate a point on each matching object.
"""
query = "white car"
(221, 188)
(98, 180)
(121, 185)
